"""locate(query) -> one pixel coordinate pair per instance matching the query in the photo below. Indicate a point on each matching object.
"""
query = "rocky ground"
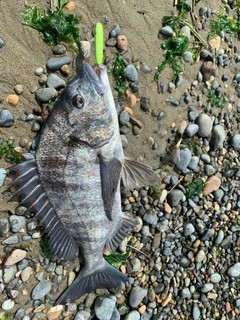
(184, 259)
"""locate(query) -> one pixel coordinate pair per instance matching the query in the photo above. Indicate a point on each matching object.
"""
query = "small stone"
(104, 307)
(2, 42)
(136, 296)
(26, 273)
(35, 127)
(15, 256)
(121, 42)
(145, 68)
(23, 142)
(82, 315)
(11, 240)
(134, 86)
(6, 118)
(56, 63)
(12, 100)
(187, 56)
(207, 287)
(212, 184)
(3, 174)
(235, 142)
(54, 81)
(85, 49)
(54, 313)
(171, 87)
(69, 5)
(42, 79)
(131, 73)
(206, 70)
(204, 53)
(132, 315)
(40, 290)
(182, 159)
(215, 43)
(111, 42)
(124, 141)
(144, 105)
(4, 226)
(202, 11)
(217, 138)
(193, 163)
(185, 31)
(167, 31)
(205, 125)
(65, 70)
(188, 229)
(174, 197)
(46, 94)
(38, 71)
(8, 304)
(200, 256)
(234, 270)
(196, 314)
(167, 299)
(191, 130)
(18, 89)
(124, 118)
(174, 102)
(16, 223)
(215, 277)
(150, 218)
(59, 49)
(115, 31)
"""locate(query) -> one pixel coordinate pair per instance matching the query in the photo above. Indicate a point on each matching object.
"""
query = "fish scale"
(72, 184)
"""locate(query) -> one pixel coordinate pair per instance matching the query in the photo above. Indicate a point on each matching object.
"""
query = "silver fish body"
(73, 182)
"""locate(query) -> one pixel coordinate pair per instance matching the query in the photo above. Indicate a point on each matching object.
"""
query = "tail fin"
(105, 277)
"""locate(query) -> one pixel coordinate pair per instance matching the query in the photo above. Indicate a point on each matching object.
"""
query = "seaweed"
(118, 70)
(9, 153)
(195, 188)
(116, 259)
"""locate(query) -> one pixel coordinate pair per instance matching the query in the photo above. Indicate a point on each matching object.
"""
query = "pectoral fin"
(110, 176)
(136, 174)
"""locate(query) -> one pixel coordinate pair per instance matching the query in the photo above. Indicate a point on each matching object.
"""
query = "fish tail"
(105, 277)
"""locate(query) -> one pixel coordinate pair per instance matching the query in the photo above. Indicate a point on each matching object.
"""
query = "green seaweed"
(195, 188)
(6, 316)
(9, 153)
(214, 99)
(116, 259)
(54, 26)
(118, 70)
(45, 250)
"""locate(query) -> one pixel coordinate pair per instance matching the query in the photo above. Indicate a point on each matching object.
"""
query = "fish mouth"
(95, 77)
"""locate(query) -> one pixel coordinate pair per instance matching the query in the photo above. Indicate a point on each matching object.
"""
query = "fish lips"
(87, 70)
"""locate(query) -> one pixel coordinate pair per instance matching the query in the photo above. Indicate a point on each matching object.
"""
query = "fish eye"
(78, 101)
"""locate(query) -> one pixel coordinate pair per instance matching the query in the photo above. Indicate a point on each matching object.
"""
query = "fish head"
(88, 105)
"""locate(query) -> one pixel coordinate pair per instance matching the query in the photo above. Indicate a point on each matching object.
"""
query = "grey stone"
(19, 314)
(217, 138)
(145, 68)
(115, 315)
(20, 210)
(174, 102)
(14, 239)
(187, 56)
(219, 238)
(2, 42)
(185, 31)
(115, 31)
(193, 162)
(215, 277)
(150, 218)
(131, 73)
(104, 307)
(85, 49)
(124, 141)
(183, 160)
(191, 130)
(207, 234)
(218, 194)
(235, 142)
(35, 127)
(205, 158)
(6, 118)
(54, 81)
(124, 118)
(56, 63)
(184, 261)
(209, 170)
(40, 290)
(46, 94)
(136, 296)
(188, 229)
(16, 223)
(134, 86)
(204, 54)
(38, 71)
(205, 125)
(59, 49)
(185, 293)
(132, 315)
(4, 226)
(196, 313)
(3, 174)
(8, 304)
(206, 287)
(174, 197)
(167, 31)
(202, 12)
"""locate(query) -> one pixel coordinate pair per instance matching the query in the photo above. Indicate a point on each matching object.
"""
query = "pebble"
(212, 184)
(56, 63)
(188, 229)
(46, 94)
(185, 31)
(104, 307)
(38, 71)
(54, 313)
(40, 290)
(182, 159)
(191, 130)
(4, 226)
(59, 49)
(14, 239)
(204, 123)
(15, 256)
(145, 68)
(235, 142)
(136, 296)
(18, 89)
(16, 223)
(196, 313)
(131, 73)
(3, 174)
(150, 218)
(121, 41)
(35, 127)
(83, 315)
(200, 256)
(234, 270)
(215, 277)
(12, 100)
(2, 42)
(167, 31)
(124, 141)
(124, 118)
(54, 81)
(187, 56)
(207, 287)
(6, 118)
(115, 31)
(8, 304)
(217, 137)
(135, 87)
(175, 197)
(174, 102)
(85, 49)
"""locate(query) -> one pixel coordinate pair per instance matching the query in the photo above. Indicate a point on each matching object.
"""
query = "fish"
(72, 182)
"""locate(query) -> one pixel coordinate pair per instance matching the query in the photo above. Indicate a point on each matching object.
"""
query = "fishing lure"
(99, 43)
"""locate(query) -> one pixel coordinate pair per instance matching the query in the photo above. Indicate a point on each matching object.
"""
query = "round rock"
(54, 81)
(4, 226)
(115, 31)
(46, 94)
(40, 290)
(131, 73)
(8, 304)
(136, 295)
(56, 63)
(205, 125)
(182, 159)
(124, 118)
(132, 315)
(167, 31)
(16, 223)
(217, 138)
(174, 197)
(235, 142)
(234, 271)
(191, 130)
(3, 174)
(85, 49)
(6, 118)
(104, 307)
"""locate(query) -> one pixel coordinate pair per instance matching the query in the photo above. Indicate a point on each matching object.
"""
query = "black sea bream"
(72, 184)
